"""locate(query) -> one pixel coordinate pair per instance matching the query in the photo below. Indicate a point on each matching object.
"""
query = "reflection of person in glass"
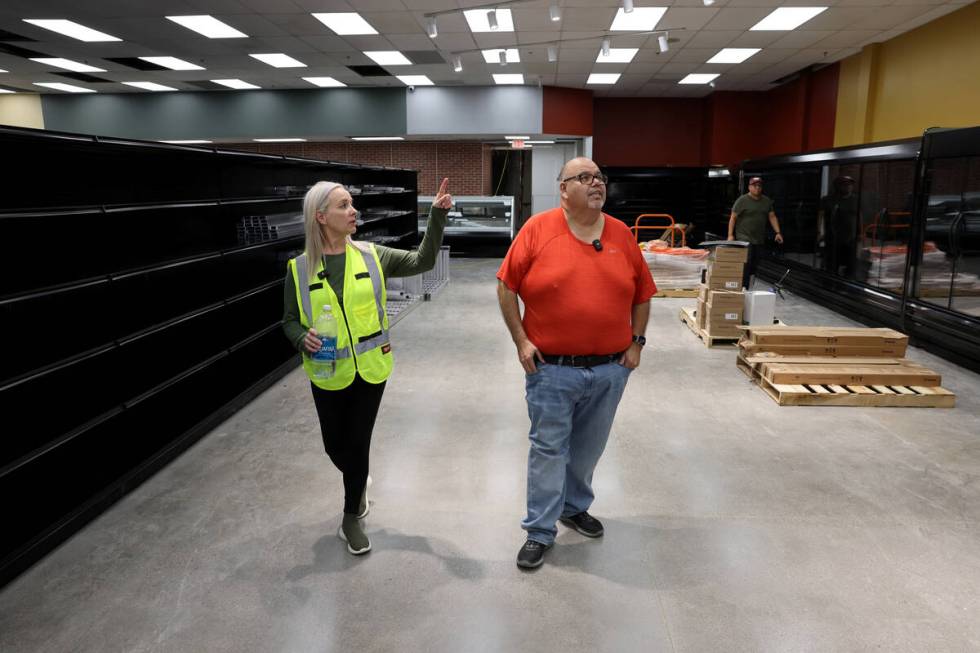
(837, 225)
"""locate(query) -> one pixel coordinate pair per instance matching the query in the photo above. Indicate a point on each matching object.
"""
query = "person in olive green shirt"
(748, 223)
(347, 415)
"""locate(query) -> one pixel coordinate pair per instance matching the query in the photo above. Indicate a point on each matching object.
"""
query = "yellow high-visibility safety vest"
(363, 343)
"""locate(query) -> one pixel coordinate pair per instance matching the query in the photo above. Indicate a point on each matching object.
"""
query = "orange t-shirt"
(576, 300)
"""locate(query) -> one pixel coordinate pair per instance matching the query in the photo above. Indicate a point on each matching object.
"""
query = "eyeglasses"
(586, 178)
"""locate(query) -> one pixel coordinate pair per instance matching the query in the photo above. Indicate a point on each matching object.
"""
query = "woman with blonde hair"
(348, 276)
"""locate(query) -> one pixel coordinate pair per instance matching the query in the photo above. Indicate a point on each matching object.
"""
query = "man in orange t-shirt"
(586, 292)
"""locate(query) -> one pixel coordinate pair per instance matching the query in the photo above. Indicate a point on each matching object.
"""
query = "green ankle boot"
(350, 531)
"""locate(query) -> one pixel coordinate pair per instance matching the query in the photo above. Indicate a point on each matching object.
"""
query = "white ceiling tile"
(800, 39)
(538, 68)
(643, 68)
(587, 18)
(253, 25)
(369, 43)
(845, 38)
(577, 67)
(429, 5)
(771, 4)
(455, 42)
(538, 37)
(308, 6)
(837, 18)
(713, 39)
(888, 17)
(288, 44)
(691, 19)
(370, 5)
(489, 40)
(772, 56)
(452, 24)
(693, 55)
(740, 18)
(577, 54)
(411, 42)
(756, 39)
(324, 43)
(674, 68)
(394, 22)
(534, 19)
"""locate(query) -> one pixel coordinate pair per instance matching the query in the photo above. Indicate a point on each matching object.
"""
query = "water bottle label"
(327, 352)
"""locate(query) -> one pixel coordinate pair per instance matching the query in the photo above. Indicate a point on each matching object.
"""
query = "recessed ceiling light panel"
(415, 80)
(699, 78)
(324, 82)
(618, 55)
(150, 86)
(786, 18)
(68, 64)
(173, 63)
(67, 88)
(278, 60)
(733, 55)
(493, 56)
(508, 79)
(346, 23)
(603, 78)
(73, 29)
(388, 58)
(208, 26)
(640, 19)
(236, 84)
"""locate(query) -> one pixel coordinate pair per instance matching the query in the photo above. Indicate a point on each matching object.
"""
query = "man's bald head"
(577, 165)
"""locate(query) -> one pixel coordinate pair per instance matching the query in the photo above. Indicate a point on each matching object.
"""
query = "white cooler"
(760, 307)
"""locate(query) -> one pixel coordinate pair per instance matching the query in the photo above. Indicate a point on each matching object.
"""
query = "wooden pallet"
(677, 292)
(895, 396)
(688, 318)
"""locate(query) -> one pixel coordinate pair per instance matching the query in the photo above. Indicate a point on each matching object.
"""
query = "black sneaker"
(531, 554)
(585, 524)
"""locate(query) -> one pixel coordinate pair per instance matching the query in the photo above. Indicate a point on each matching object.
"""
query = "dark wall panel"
(256, 114)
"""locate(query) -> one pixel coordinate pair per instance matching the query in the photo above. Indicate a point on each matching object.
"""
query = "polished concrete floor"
(732, 524)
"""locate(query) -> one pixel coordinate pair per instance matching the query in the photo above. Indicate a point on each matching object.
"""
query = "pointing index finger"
(443, 186)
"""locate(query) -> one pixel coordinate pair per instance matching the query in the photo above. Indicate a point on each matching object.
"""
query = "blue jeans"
(571, 411)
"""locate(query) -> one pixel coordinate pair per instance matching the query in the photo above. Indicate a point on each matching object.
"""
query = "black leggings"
(346, 423)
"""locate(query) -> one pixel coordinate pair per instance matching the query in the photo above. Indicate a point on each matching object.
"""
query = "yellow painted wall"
(21, 110)
(924, 78)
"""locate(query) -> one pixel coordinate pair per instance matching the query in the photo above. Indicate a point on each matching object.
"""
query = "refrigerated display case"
(474, 216)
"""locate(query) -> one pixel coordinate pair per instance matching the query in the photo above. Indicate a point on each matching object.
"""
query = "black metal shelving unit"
(915, 261)
(135, 314)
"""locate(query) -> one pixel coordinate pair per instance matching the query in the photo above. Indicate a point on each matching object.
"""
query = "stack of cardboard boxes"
(721, 301)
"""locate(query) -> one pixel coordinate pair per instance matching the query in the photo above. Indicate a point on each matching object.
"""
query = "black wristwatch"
(640, 340)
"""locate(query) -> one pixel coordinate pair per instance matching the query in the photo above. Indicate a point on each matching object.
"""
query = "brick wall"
(467, 164)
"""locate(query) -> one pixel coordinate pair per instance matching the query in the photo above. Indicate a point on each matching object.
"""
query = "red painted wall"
(724, 128)
(822, 109)
(648, 131)
(466, 163)
(566, 111)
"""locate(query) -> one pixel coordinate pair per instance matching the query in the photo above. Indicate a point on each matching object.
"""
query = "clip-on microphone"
(597, 245)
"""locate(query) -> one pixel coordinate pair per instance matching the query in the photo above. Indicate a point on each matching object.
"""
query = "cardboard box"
(723, 282)
(722, 315)
(760, 307)
(730, 253)
(723, 331)
(729, 268)
(727, 298)
(701, 314)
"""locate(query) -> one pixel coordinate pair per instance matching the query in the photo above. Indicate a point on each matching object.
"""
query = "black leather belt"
(581, 361)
